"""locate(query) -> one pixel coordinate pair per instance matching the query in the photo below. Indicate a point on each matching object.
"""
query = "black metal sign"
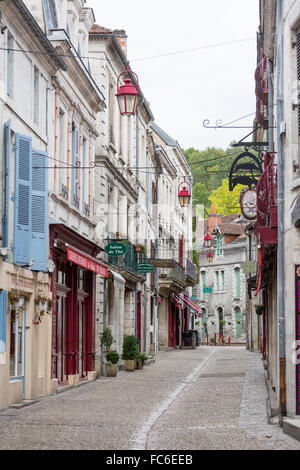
(244, 171)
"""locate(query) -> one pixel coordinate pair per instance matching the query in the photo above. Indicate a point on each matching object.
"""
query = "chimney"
(122, 38)
(213, 218)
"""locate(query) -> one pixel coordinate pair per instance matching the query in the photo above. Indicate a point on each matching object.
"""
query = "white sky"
(184, 89)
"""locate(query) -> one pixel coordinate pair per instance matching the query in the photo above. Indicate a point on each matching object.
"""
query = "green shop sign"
(145, 268)
(116, 249)
(207, 290)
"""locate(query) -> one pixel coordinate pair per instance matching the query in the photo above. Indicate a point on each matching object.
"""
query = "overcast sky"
(186, 88)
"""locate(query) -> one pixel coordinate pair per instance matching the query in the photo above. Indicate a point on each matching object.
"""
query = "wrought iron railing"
(266, 190)
(176, 273)
(129, 260)
(191, 270)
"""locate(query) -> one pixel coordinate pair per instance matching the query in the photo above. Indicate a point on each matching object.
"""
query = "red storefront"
(73, 287)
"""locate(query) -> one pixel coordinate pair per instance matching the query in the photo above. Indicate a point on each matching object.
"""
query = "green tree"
(226, 202)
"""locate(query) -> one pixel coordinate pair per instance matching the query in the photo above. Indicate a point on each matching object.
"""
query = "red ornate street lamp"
(207, 240)
(210, 256)
(127, 94)
(184, 193)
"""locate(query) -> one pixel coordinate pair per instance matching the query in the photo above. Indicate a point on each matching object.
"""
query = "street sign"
(116, 249)
(207, 290)
(248, 267)
(145, 268)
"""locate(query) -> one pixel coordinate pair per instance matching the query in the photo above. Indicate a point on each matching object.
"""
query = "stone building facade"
(222, 290)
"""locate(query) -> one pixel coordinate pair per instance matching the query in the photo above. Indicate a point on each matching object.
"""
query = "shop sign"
(145, 268)
(86, 262)
(207, 290)
(163, 263)
(248, 267)
(116, 249)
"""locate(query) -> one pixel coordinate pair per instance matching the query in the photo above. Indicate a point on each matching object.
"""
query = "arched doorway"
(238, 321)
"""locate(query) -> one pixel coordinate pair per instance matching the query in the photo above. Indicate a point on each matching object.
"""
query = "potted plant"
(129, 352)
(144, 358)
(111, 366)
(107, 338)
(138, 361)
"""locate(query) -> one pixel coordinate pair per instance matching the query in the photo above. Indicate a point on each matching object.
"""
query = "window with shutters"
(237, 272)
(3, 316)
(30, 246)
(6, 186)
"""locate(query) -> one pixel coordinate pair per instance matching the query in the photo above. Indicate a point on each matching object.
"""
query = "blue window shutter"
(22, 212)
(39, 211)
(3, 307)
(6, 185)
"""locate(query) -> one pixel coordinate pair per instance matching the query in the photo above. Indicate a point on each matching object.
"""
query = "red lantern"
(210, 256)
(184, 193)
(127, 94)
(207, 240)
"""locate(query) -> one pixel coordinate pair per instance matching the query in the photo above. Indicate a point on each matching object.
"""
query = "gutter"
(34, 27)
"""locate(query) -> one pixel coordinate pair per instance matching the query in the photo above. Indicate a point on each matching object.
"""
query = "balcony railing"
(129, 260)
(266, 222)
(261, 91)
(176, 273)
(191, 272)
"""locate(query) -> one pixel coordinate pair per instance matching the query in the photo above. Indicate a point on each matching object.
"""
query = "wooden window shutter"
(6, 185)
(39, 211)
(3, 308)
(180, 250)
(22, 212)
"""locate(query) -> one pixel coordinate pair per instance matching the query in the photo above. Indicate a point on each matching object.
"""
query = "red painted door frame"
(139, 319)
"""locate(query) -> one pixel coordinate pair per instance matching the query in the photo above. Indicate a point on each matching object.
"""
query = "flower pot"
(111, 370)
(129, 365)
(139, 365)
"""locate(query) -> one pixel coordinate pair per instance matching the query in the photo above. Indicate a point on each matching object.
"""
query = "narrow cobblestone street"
(208, 398)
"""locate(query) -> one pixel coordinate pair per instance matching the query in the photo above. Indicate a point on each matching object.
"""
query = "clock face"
(248, 204)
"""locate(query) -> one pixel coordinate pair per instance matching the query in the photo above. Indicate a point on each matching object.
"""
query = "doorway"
(17, 342)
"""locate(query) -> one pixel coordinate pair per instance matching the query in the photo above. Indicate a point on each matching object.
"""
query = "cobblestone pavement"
(207, 398)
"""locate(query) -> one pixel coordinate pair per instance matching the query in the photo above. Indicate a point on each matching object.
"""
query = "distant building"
(221, 292)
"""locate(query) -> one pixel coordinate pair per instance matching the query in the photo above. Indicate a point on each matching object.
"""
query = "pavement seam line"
(141, 436)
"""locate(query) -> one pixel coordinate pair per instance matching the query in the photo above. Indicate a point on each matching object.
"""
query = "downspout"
(137, 157)
(271, 149)
(280, 252)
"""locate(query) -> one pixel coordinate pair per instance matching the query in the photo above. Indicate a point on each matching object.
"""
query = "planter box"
(111, 370)
(129, 365)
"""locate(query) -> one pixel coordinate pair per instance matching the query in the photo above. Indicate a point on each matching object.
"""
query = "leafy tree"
(226, 202)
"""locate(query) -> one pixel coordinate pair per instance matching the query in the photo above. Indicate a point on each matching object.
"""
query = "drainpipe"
(271, 149)
(280, 252)
(137, 157)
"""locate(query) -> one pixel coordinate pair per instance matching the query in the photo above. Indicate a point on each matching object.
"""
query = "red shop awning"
(191, 304)
(86, 261)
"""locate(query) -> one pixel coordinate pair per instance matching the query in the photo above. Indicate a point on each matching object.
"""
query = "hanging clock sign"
(248, 203)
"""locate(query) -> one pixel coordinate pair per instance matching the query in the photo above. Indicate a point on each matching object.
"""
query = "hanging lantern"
(184, 193)
(210, 256)
(207, 240)
(127, 94)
